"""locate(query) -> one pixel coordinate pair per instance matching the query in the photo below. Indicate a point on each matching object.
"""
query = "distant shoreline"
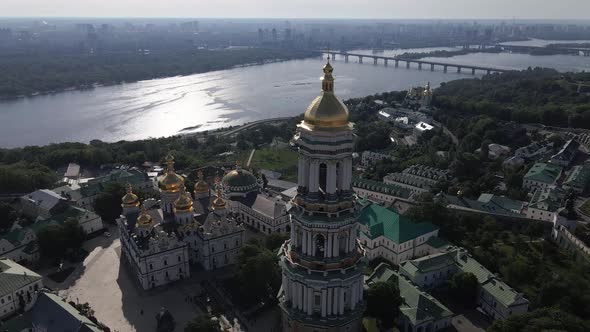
(99, 85)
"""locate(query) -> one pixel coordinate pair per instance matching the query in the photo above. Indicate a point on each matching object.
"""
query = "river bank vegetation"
(30, 74)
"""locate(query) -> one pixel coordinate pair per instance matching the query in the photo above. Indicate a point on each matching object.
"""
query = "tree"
(534, 229)
(383, 301)
(464, 285)
(56, 240)
(202, 324)
(7, 217)
(545, 319)
(108, 203)
(259, 273)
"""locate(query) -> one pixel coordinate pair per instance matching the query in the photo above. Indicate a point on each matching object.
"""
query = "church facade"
(160, 241)
(322, 263)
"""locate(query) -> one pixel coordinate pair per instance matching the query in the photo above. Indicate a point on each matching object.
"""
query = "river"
(166, 106)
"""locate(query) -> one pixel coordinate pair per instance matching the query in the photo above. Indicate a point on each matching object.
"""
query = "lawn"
(283, 161)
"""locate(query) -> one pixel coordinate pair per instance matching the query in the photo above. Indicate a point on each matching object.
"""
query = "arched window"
(319, 246)
(343, 243)
(323, 177)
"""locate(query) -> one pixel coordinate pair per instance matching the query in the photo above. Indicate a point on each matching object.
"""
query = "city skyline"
(376, 9)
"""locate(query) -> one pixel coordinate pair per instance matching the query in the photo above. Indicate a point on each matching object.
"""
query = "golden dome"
(171, 181)
(219, 202)
(144, 219)
(130, 199)
(201, 185)
(184, 202)
(326, 110)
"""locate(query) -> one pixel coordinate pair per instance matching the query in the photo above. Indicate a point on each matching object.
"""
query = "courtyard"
(116, 298)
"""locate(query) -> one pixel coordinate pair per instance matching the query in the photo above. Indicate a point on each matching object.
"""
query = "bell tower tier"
(323, 262)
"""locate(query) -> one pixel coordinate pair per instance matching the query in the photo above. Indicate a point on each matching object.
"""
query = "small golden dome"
(130, 199)
(201, 185)
(184, 202)
(144, 219)
(326, 110)
(219, 202)
(171, 182)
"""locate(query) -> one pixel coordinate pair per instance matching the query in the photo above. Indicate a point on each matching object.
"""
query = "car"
(106, 234)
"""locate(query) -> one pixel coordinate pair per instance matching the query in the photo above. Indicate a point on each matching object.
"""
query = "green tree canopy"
(202, 323)
(463, 286)
(383, 301)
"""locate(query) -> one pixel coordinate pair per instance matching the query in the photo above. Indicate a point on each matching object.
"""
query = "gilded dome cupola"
(184, 203)
(171, 182)
(326, 111)
(130, 199)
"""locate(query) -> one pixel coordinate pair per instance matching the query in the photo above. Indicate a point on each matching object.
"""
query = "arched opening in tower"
(343, 243)
(319, 246)
(323, 177)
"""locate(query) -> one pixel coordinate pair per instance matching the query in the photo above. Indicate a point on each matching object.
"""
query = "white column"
(328, 249)
(347, 176)
(360, 291)
(341, 301)
(301, 172)
(306, 170)
(304, 298)
(330, 305)
(351, 237)
(353, 295)
(309, 301)
(293, 286)
(336, 246)
(335, 307)
(310, 244)
(314, 178)
(324, 301)
(331, 178)
(304, 244)
(299, 296)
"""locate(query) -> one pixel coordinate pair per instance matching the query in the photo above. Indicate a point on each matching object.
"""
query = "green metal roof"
(542, 172)
(417, 306)
(578, 177)
(380, 187)
(498, 289)
(14, 276)
(437, 242)
(397, 228)
(428, 263)
(490, 207)
(96, 186)
(240, 180)
(501, 201)
(548, 199)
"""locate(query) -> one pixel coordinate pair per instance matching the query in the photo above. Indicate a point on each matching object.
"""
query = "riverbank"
(32, 75)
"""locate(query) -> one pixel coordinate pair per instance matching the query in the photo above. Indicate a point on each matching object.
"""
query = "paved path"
(116, 297)
(250, 158)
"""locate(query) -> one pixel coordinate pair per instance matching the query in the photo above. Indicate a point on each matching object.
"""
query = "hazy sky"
(480, 9)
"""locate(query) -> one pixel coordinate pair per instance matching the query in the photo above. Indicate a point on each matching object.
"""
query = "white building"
(495, 298)
(369, 158)
(417, 178)
(256, 209)
(541, 175)
(545, 203)
(386, 234)
(161, 242)
(420, 128)
(18, 287)
(20, 244)
(39, 203)
(220, 238)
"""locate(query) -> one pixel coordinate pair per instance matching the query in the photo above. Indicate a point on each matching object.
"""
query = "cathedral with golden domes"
(160, 239)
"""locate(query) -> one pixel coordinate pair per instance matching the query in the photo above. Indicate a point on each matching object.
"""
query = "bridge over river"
(420, 63)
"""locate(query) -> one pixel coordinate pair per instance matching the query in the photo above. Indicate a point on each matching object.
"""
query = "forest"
(43, 73)
(530, 96)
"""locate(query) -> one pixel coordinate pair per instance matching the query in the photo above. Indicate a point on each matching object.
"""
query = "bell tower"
(323, 262)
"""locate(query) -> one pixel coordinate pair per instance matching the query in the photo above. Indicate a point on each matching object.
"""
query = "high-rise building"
(322, 263)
